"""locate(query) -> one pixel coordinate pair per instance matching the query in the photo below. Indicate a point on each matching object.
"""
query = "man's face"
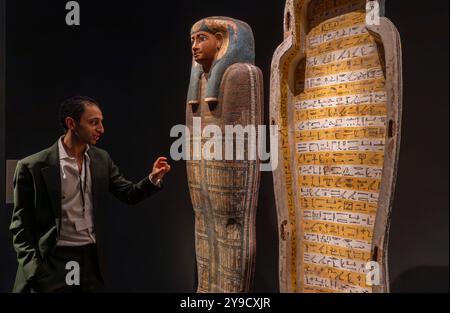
(90, 127)
(204, 48)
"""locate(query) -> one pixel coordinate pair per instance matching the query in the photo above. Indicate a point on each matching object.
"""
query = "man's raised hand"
(160, 168)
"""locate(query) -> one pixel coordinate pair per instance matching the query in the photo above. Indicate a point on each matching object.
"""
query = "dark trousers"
(53, 276)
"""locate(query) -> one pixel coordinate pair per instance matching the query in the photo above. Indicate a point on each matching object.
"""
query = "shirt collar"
(63, 153)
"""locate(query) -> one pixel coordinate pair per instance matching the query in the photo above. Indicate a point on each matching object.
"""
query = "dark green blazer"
(36, 218)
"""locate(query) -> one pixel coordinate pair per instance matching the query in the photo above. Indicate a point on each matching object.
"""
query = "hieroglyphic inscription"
(340, 130)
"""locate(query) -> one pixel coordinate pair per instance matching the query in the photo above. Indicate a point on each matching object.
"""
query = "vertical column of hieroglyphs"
(201, 236)
(227, 181)
(340, 138)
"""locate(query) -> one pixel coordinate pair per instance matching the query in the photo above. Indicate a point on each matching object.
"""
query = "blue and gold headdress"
(238, 47)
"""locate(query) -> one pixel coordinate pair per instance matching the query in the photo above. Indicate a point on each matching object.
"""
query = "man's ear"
(219, 38)
(70, 122)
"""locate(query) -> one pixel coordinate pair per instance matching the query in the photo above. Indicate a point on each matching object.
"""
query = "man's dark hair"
(74, 108)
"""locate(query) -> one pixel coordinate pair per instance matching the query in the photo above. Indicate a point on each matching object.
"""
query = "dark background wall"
(134, 58)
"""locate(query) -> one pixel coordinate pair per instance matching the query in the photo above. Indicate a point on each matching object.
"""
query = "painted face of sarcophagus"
(336, 97)
(225, 93)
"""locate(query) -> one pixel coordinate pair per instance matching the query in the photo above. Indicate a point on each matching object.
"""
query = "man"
(59, 198)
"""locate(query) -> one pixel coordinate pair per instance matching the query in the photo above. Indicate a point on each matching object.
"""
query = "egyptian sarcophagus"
(336, 94)
(225, 91)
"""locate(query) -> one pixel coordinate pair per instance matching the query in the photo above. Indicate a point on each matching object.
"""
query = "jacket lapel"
(52, 179)
(95, 177)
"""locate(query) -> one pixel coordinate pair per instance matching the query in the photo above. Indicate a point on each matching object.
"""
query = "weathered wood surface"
(224, 193)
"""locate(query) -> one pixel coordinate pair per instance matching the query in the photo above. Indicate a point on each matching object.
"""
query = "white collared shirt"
(77, 226)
